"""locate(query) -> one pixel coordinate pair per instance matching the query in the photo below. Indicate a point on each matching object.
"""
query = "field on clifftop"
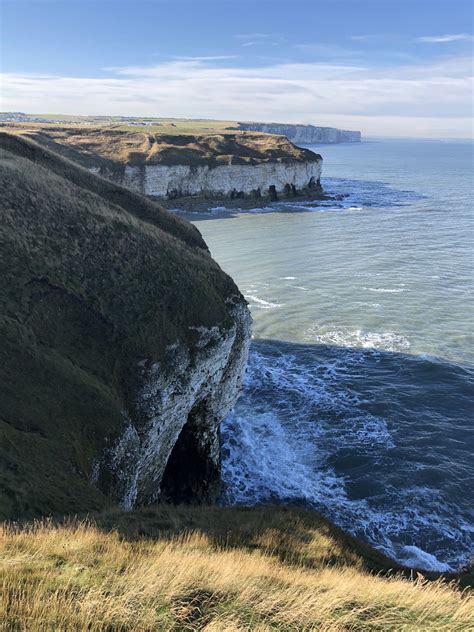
(151, 124)
(208, 568)
(185, 143)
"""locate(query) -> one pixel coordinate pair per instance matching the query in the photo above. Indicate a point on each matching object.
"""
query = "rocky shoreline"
(205, 204)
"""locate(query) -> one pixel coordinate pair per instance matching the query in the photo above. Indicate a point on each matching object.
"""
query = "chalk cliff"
(227, 165)
(229, 181)
(170, 449)
(123, 343)
(304, 134)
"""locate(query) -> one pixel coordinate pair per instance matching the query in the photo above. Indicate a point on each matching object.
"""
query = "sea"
(359, 396)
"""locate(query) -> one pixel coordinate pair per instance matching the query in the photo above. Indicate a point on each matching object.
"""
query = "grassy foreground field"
(206, 568)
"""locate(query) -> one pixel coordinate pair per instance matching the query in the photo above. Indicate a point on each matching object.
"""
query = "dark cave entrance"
(192, 474)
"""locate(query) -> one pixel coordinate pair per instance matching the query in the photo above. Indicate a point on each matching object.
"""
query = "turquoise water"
(360, 396)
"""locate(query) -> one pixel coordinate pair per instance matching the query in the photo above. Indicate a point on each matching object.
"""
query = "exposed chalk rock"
(170, 449)
(221, 181)
(305, 134)
(217, 165)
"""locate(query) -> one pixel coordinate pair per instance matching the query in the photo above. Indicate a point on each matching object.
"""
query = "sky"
(387, 68)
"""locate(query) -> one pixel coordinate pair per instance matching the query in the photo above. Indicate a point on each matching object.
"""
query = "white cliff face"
(226, 180)
(305, 134)
(170, 446)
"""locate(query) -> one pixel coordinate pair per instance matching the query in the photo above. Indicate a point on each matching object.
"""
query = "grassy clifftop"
(93, 278)
(213, 569)
(108, 145)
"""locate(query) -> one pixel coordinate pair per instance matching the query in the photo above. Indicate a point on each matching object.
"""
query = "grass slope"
(93, 278)
(205, 568)
(107, 146)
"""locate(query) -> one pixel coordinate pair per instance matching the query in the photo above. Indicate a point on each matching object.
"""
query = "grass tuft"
(83, 576)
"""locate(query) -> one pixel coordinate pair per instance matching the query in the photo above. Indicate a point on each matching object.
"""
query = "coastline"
(199, 204)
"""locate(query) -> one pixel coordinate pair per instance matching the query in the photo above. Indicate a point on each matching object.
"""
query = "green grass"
(165, 125)
(93, 278)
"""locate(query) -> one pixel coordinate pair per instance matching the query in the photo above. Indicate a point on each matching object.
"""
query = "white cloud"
(432, 100)
(368, 38)
(204, 57)
(444, 39)
(254, 36)
(254, 39)
(327, 51)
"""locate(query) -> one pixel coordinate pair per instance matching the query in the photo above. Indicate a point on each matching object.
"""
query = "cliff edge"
(217, 165)
(123, 344)
(304, 134)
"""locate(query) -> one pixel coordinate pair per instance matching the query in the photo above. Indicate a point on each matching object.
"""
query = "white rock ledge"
(305, 134)
(170, 448)
(229, 181)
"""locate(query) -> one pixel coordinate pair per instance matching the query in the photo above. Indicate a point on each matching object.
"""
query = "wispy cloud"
(204, 57)
(444, 39)
(255, 39)
(327, 50)
(418, 99)
(254, 36)
(367, 38)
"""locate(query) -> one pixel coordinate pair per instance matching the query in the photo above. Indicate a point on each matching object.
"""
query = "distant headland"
(305, 134)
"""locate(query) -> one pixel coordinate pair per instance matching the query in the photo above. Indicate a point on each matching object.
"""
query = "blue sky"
(388, 68)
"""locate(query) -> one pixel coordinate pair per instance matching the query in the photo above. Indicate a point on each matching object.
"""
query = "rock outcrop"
(169, 450)
(304, 134)
(123, 343)
(230, 181)
(228, 165)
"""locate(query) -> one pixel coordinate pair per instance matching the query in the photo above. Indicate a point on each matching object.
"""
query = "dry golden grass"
(183, 145)
(79, 577)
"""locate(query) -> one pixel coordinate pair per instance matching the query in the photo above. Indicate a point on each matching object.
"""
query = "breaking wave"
(260, 303)
(387, 341)
(311, 429)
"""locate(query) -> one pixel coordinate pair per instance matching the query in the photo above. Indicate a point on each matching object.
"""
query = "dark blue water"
(360, 389)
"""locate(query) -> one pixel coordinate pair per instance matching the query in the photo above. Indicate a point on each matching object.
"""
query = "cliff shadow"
(290, 534)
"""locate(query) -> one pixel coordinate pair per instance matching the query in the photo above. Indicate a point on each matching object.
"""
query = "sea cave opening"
(192, 472)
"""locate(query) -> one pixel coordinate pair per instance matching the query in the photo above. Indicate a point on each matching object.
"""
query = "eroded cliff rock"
(169, 449)
(219, 165)
(230, 181)
(123, 343)
(304, 134)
